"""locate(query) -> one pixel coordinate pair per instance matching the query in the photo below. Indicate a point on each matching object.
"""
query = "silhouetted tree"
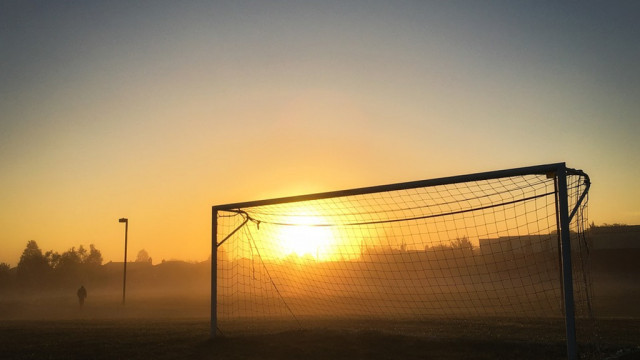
(4, 268)
(143, 256)
(462, 243)
(82, 253)
(5, 275)
(33, 268)
(94, 258)
(69, 267)
(69, 258)
(53, 258)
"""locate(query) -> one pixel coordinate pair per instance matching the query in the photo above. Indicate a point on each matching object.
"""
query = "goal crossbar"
(529, 170)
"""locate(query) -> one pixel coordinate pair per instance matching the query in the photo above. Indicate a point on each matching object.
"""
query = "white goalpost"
(505, 244)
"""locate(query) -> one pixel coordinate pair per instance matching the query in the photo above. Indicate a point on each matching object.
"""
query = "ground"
(189, 338)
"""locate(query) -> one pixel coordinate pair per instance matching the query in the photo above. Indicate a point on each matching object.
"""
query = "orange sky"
(156, 112)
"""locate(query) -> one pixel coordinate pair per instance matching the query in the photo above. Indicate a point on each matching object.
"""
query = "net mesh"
(480, 249)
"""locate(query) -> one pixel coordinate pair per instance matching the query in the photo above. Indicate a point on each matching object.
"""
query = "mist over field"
(169, 319)
(172, 289)
(177, 289)
(167, 309)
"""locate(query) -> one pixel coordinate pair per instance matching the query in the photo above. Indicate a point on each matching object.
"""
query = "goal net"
(485, 245)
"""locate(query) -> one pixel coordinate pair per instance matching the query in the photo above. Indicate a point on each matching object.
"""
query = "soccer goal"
(505, 244)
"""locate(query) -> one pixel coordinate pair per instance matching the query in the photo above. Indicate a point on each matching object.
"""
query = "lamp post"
(124, 280)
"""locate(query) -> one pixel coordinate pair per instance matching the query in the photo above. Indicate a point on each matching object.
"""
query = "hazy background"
(156, 111)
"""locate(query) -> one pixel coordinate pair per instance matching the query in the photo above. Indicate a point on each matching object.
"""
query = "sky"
(156, 111)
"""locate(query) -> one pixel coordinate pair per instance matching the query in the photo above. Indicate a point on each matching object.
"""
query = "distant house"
(525, 244)
(616, 250)
(615, 237)
(600, 238)
(115, 266)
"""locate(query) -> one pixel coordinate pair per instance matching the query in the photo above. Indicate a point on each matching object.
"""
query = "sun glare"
(305, 238)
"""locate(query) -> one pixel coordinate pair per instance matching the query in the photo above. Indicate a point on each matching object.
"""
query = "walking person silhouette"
(82, 294)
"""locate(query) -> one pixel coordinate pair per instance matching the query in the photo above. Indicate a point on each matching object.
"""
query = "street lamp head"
(123, 220)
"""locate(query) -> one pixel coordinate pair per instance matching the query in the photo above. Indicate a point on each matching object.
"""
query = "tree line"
(38, 269)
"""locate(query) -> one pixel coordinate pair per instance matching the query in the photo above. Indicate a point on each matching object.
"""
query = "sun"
(305, 236)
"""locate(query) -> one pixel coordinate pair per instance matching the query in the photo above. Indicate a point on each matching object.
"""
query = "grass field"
(178, 328)
(189, 339)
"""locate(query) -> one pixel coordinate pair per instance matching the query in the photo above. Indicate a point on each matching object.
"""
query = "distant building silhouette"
(615, 237)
